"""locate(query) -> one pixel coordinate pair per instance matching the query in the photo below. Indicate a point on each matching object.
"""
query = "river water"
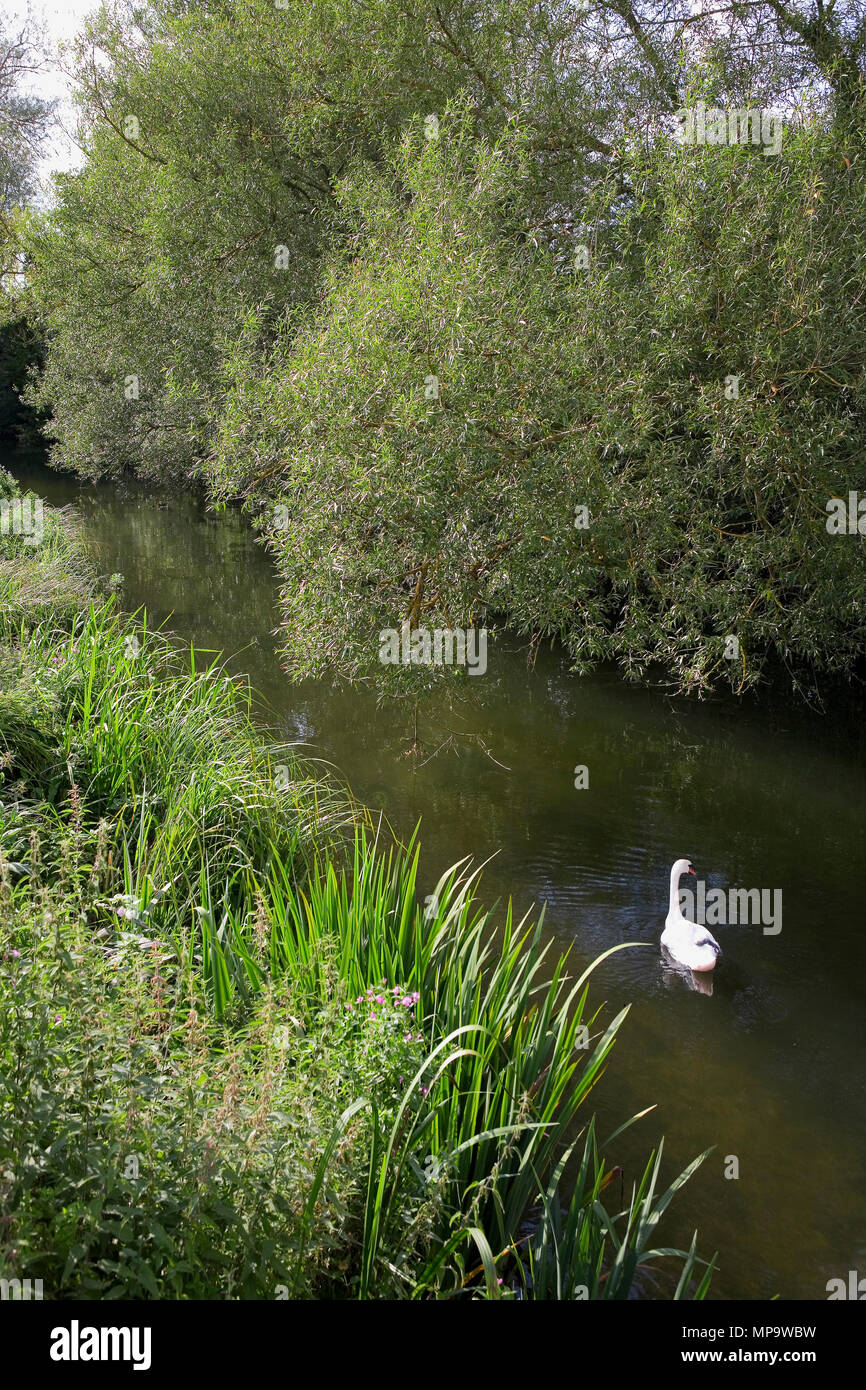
(770, 1068)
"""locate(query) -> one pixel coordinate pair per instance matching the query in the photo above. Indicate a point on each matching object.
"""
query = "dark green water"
(770, 1068)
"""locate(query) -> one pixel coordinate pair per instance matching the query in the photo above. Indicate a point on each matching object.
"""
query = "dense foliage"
(435, 290)
(608, 388)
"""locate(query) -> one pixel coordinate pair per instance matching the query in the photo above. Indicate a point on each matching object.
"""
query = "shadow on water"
(769, 1068)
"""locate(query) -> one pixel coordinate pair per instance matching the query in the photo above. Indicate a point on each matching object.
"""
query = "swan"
(688, 942)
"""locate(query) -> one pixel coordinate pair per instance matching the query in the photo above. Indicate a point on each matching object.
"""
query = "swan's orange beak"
(691, 871)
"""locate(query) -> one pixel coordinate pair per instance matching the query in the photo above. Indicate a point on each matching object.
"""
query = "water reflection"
(675, 975)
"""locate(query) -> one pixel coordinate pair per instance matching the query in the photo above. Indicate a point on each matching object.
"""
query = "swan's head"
(682, 866)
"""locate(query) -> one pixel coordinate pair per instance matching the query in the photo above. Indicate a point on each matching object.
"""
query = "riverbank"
(248, 1060)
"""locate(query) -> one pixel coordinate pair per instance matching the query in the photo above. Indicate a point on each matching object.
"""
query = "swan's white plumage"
(688, 942)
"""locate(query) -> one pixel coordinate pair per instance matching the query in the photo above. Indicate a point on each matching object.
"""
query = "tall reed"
(513, 1052)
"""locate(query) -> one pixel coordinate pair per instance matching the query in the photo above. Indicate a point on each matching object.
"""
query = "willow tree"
(432, 287)
(214, 136)
(629, 447)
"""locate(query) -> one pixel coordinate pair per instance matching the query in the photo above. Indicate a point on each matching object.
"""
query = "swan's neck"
(674, 905)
